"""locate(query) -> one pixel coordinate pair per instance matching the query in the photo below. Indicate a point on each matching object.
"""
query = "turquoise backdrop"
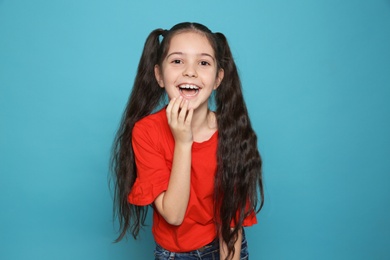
(316, 77)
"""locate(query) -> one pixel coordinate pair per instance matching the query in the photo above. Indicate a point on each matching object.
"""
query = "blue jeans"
(208, 252)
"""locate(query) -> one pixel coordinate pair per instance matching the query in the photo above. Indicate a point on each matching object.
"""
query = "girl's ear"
(220, 75)
(157, 74)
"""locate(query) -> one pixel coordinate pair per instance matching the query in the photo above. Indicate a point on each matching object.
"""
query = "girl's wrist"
(184, 144)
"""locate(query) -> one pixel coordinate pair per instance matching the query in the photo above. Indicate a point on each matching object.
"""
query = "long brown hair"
(238, 181)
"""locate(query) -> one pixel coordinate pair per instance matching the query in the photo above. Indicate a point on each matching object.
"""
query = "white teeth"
(187, 86)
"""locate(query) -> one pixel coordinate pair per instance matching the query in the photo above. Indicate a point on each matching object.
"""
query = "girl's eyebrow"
(181, 53)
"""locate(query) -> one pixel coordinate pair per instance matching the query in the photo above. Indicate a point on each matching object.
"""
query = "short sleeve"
(250, 220)
(152, 170)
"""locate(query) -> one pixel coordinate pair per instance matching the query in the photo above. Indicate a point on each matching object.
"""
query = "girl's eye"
(176, 61)
(204, 63)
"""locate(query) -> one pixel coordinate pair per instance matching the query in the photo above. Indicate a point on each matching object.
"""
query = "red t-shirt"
(153, 146)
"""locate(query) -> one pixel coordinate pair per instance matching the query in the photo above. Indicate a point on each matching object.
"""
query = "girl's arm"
(237, 246)
(172, 204)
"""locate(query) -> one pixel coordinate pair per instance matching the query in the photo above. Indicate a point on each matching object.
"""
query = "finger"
(189, 117)
(183, 111)
(169, 109)
(175, 109)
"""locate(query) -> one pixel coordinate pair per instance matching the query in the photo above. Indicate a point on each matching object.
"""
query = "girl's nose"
(190, 71)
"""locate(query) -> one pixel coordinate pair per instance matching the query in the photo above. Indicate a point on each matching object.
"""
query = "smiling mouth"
(188, 90)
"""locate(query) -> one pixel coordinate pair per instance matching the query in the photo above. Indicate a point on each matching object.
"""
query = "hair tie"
(164, 33)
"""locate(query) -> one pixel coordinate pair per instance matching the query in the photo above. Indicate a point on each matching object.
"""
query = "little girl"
(199, 169)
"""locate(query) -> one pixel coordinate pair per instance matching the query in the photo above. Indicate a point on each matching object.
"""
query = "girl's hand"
(172, 204)
(179, 119)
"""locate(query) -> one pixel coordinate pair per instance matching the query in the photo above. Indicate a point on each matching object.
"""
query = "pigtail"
(145, 97)
(239, 164)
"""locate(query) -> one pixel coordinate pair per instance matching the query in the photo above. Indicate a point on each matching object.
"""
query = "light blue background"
(316, 77)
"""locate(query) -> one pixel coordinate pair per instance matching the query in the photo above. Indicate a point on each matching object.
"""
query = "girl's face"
(189, 69)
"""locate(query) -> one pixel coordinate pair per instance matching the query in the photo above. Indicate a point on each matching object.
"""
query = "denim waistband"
(209, 251)
(214, 243)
